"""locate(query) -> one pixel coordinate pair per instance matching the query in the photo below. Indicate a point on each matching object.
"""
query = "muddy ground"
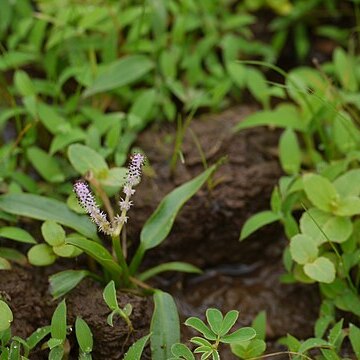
(242, 276)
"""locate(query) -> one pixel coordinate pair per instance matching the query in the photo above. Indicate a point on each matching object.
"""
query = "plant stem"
(120, 258)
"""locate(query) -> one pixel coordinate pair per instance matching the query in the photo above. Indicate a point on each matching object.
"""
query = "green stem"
(136, 261)
(120, 258)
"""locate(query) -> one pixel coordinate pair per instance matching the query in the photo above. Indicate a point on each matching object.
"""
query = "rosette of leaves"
(55, 245)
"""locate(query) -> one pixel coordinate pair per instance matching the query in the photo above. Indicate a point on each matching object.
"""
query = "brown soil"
(242, 276)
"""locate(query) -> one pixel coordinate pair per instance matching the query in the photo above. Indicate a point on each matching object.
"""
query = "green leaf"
(56, 352)
(170, 266)
(109, 295)
(53, 233)
(348, 206)
(41, 255)
(200, 326)
(243, 334)
(23, 83)
(348, 184)
(321, 270)
(66, 250)
(257, 221)
(44, 208)
(58, 322)
(215, 319)
(182, 351)
(51, 119)
(115, 177)
(84, 335)
(158, 226)
(321, 192)
(257, 85)
(165, 327)
(228, 322)
(62, 140)
(98, 253)
(344, 66)
(64, 281)
(17, 234)
(259, 325)
(119, 73)
(45, 165)
(37, 336)
(251, 349)
(136, 350)
(13, 255)
(284, 116)
(323, 227)
(6, 316)
(311, 344)
(290, 153)
(84, 158)
(354, 336)
(303, 249)
(4, 264)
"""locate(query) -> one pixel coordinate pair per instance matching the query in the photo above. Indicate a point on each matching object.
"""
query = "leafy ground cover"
(122, 208)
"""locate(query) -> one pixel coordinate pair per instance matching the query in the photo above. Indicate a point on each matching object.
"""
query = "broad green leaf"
(17, 234)
(321, 192)
(6, 316)
(37, 336)
(348, 206)
(58, 322)
(284, 116)
(215, 319)
(64, 281)
(330, 354)
(84, 335)
(321, 270)
(116, 177)
(97, 252)
(348, 184)
(323, 227)
(249, 350)
(303, 249)
(84, 158)
(257, 221)
(119, 73)
(322, 324)
(354, 336)
(136, 350)
(53, 233)
(109, 295)
(228, 322)
(290, 153)
(62, 140)
(336, 334)
(348, 301)
(158, 226)
(51, 119)
(46, 165)
(200, 326)
(170, 266)
(243, 334)
(41, 255)
(66, 250)
(165, 327)
(44, 208)
(237, 73)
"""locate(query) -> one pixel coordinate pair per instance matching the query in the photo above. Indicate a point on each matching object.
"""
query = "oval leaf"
(64, 281)
(84, 335)
(321, 270)
(119, 73)
(303, 249)
(6, 316)
(41, 255)
(136, 350)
